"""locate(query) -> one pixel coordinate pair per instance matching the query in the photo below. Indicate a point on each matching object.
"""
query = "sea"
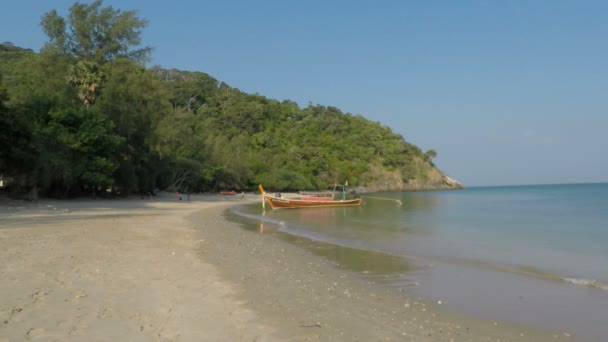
(535, 254)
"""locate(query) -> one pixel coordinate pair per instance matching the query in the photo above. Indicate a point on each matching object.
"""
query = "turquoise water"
(529, 254)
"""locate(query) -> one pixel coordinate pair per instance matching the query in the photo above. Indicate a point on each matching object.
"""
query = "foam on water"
(590, 283)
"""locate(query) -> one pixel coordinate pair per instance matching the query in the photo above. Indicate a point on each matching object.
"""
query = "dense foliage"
(85, 116)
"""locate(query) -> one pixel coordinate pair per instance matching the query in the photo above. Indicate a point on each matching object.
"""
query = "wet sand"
(168, 270)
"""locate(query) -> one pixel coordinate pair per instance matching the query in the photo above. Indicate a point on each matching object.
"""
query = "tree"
(86, 77)
(96, 34)
(134, 101)
(36, 85)
(41, 76)
(185, 89)
(429, 155)
(75, 148)
(10, 133)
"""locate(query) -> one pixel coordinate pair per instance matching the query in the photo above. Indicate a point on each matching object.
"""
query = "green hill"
(93, 119)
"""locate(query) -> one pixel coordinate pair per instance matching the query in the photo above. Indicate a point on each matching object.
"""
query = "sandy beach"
(167, 270)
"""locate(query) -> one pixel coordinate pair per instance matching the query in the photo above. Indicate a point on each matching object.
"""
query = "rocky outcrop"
(429, 178)
(446, 183)
(451, 182)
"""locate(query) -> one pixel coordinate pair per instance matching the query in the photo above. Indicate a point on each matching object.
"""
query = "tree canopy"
(95, 33)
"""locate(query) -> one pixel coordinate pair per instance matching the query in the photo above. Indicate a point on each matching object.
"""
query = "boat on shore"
(308, 199)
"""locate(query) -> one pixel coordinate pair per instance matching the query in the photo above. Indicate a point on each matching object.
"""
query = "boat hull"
(277, 203)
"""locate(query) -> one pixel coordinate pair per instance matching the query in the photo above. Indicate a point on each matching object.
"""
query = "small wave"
(529, 271)
(591, 283)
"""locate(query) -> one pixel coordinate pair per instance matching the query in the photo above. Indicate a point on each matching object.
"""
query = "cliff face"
(443, 182)
(428, 178)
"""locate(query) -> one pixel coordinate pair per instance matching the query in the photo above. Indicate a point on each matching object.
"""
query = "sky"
(506, 92)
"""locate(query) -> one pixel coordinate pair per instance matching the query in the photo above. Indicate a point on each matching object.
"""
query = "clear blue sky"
(507, 92)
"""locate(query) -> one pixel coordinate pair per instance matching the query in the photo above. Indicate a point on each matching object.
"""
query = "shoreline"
(169, 270)
(287, 283)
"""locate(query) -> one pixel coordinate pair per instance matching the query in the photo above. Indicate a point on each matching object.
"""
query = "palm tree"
(87, 78)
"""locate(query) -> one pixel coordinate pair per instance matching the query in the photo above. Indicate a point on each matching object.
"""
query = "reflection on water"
(417, 202)
(317, 215)
(352, 259)
(265, 227)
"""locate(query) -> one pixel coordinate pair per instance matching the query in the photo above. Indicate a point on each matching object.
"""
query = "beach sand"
(169, 270)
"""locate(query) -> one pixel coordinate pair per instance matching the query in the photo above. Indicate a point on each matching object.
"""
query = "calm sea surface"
(529, 254)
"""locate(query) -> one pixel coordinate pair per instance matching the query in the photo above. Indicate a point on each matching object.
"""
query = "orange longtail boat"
(308, 199)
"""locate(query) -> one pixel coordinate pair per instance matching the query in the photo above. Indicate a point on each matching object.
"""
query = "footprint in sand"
(35, 332)
(7, 316)
(39, 296)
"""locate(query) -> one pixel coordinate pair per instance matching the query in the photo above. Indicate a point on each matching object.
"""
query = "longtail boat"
(308, 199)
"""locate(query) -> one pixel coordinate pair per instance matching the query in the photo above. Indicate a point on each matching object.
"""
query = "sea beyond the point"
(534, 254)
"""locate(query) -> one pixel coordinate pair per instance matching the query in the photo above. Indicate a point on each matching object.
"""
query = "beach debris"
(79, 294)
(316, 325)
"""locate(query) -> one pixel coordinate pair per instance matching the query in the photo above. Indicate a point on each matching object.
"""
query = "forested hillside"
(85, 116)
